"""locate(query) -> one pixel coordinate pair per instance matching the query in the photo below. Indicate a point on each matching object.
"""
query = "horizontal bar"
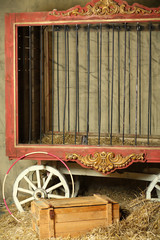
(117, 27)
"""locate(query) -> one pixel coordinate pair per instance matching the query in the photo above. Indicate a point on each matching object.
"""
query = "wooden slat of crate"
(73, 216)
(115, 212)
(75, 228)
(41, 219)
(79, 201)
(115, 206)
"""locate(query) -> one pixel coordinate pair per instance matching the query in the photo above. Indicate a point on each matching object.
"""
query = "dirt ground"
(140, 219)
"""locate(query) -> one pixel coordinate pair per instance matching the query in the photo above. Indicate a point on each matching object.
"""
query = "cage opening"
(89, 84)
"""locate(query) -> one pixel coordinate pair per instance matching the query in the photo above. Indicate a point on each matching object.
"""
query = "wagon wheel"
(47, 182)
(154, 185)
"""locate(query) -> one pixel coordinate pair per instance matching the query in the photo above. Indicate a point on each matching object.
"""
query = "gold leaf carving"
(157, 11)
(105, 161)
(103, 8)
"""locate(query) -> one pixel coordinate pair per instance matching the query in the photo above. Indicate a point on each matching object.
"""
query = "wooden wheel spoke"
(157, 187)
(47, 180)
(62, 189)
(25, 190)
(54, 187)
(30, 182)
(38, 178)
(55, 196)
(27, 200)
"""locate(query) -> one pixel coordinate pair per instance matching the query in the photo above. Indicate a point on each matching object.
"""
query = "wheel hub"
(39, 193)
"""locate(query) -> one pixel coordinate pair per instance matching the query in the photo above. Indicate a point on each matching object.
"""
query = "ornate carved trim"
(104, 8)
(157, 11)
(105, 161)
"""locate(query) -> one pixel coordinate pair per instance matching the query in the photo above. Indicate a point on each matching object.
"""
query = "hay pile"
(70, 139)
(142, 223)
(10, 229)
(93, 140)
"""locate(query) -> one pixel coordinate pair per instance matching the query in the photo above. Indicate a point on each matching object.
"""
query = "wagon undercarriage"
(48, 181)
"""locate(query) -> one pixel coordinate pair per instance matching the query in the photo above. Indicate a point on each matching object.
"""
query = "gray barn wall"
(8, 6)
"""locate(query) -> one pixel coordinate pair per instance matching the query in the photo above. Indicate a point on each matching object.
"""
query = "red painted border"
(9, 87)
(152, 154)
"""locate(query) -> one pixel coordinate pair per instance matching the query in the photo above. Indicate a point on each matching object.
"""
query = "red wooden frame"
(102, 11)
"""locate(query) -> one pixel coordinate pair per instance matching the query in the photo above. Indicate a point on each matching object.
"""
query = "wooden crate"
(72, 216)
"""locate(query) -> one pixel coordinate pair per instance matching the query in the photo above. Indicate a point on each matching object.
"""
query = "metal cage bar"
(68, 79)
(58, 101)
(112, 83)
(77, 86)
(150, 81)
(53, 33)
(65, 95)
(119, 79)
(88, 78)
(129, 79)
(124, 93)
(98, 81)
(30, 84)
(41, 80)
(137, 71)
(108, 48)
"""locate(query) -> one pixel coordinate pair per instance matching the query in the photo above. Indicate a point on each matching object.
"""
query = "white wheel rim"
(40, 189)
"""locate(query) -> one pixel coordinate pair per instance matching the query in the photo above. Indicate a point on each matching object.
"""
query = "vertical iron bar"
(68, 81)
(100, 76)
(41, 79)
(108, 86)
(112, 84)
(150, 81)
(150, 76)
(118, 79)
(137, 84)
(98, 81)
(43, 84)
(30, 84)
(52, 81)
(88, 54)
(139, 80)
(76, 83)
(124, 96)
(65, 96)
(58, 115)
(129, 60)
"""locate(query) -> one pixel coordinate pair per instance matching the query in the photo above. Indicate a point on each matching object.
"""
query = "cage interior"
(89, 84)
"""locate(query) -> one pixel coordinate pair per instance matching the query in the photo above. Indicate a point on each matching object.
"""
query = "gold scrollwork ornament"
(103, 8)
(105, 161)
